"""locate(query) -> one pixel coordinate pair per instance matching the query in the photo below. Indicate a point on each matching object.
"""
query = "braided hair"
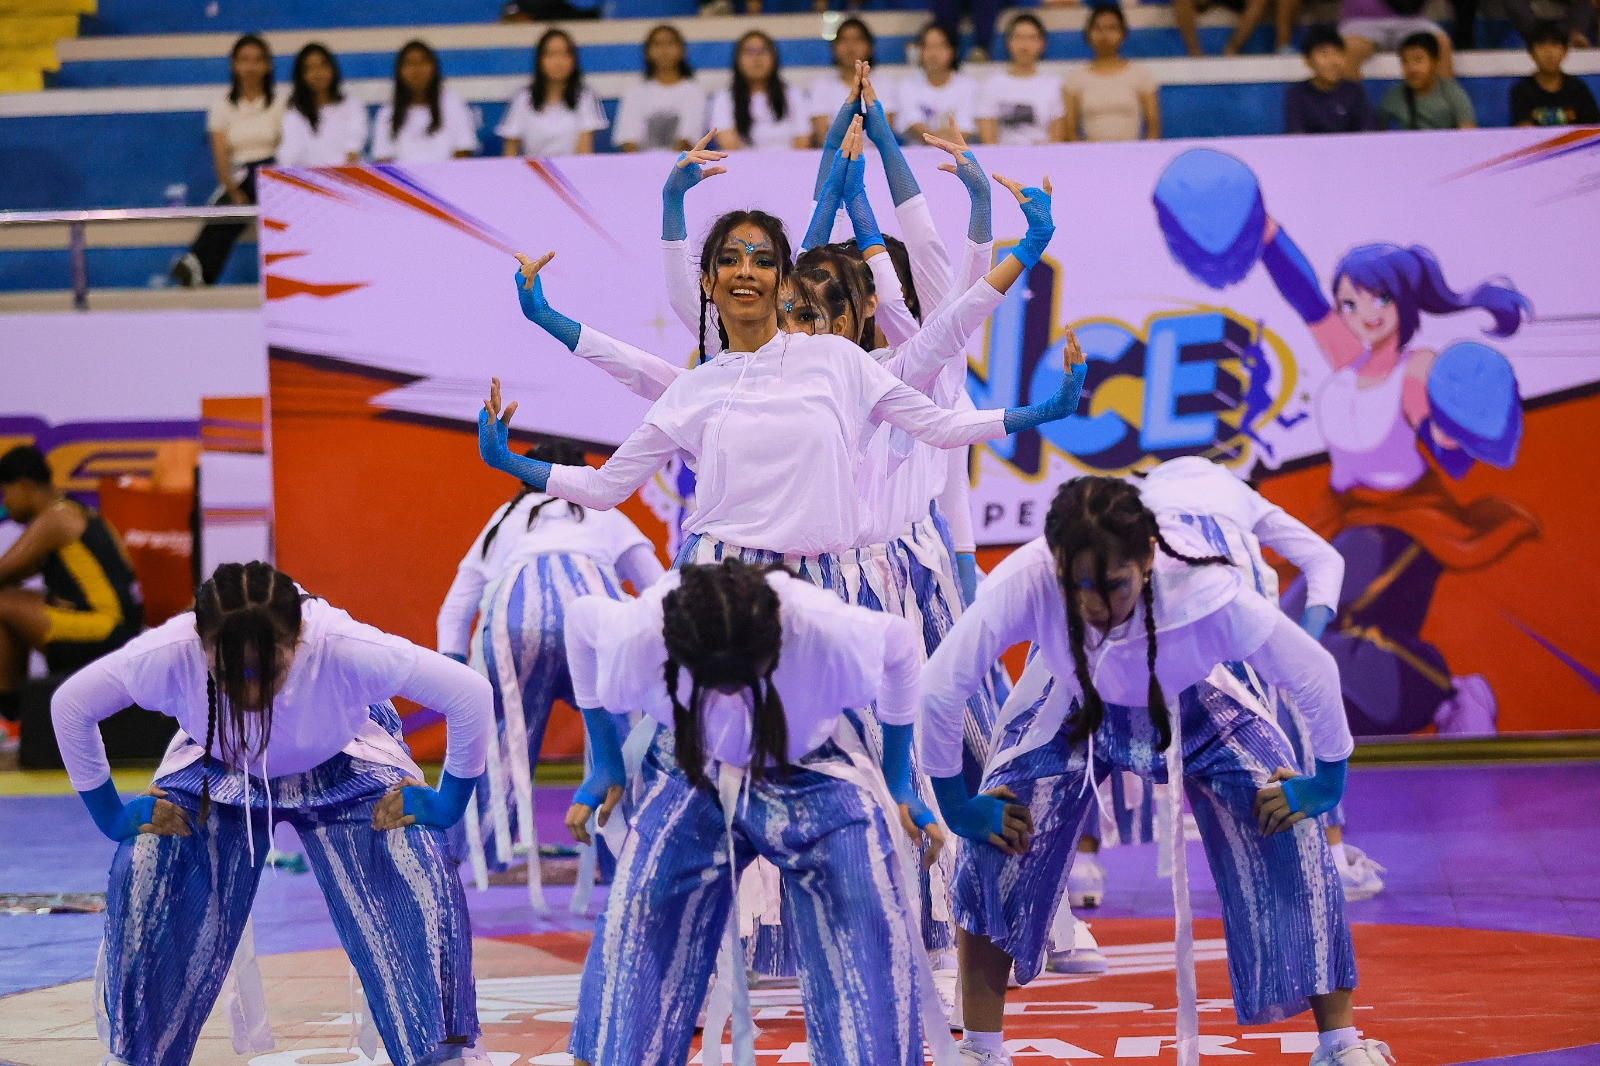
(722, 625)
(243, 608)
(558, 452)
(770, 225)
(1105, 517)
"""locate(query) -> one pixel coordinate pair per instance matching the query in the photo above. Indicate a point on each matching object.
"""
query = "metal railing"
(77, 223)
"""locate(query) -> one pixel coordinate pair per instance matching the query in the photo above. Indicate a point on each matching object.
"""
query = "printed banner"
(1423, 308)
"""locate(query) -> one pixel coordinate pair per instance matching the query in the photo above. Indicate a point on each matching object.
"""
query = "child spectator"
(1548, 96)
(935, 92)
(1328, 101)
(668, 109)
(1110, 99)
(423, 122)
(1021, 104)
(756, 110)
(322, 127)
(1425, 99)
(555, 114)
(244, 124)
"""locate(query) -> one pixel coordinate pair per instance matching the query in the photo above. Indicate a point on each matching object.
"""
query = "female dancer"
(536, 554)
(753, 677)
(1125, 610)
(279, 684)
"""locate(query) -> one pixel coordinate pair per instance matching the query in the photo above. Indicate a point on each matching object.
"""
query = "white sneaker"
(1086, 884)
(972, 1055)
(1082, 957)
(1471, 712)
(1366, 1053)
(1358, 875)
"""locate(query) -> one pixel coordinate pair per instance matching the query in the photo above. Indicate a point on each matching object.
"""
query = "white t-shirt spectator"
(253, 126)
(656, 116)
(920, 101)
(766, 132)
(341, 130)
(828, 94)
(457, 132)
(555, 129)
(1025, 107)
(1109, 106)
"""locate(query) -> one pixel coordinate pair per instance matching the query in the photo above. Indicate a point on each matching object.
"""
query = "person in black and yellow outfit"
(91, 601)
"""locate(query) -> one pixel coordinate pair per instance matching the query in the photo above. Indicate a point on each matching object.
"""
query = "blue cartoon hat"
(1473, 399)
(1209, 207)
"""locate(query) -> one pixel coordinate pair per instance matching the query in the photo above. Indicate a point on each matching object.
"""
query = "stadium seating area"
(120, 119)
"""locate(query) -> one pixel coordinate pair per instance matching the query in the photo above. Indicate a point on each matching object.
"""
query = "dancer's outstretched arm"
(678, 261)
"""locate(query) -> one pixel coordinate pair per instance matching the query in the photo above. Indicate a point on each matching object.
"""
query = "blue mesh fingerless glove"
(1291, 272)
(967, 574)
(118, 821)
(536, 309)
(494, 447)
(864, 223)
(1062, 405)
(674, 226)
(897, 773)
(1036, 209)
(1315, 620)
(828, 200)
(973, 817)
(980, 224)
(902, 183)
(439, 808)
(831, 143)
(1319, 793)
(606, 768)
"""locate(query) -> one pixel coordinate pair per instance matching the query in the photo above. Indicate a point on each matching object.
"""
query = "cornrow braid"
(705, 302)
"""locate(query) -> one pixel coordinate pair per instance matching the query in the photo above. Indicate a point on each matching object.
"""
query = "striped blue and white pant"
(176, 907)
(523, 654)
(650, 963)
(1282, 906)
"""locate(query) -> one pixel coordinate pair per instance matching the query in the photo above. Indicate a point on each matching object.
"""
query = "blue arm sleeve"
(902, 183)
(828, 201)
(674, 226)
(1315, 620)
(980, 224)
(440, 808)
(973, 817)
(864, 222)
(1036, 209)
(536, 309)
(831, 143)
(1291, 272)
(494, 446)
(1062, 405)
(1319, 793)
(897, 772)
(605, 758)
(967, 574)
(116, 820)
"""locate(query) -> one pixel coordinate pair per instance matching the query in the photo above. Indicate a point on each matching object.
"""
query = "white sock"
(1339, 854)
(1336, 1040)
(989, 1041)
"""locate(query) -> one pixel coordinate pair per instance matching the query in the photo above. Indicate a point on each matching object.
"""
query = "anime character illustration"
(1399, 421)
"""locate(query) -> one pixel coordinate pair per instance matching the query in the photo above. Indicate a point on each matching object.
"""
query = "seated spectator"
(244, 124)
(1425, 99)
(757, 109)
(1370, 26)
(984, 15)
(91, 601)
(1021, 104)
(322, 127)
(1328, 101)
(668, 109)
(1187, 14)
(935, 93)
(423, 122)
(555, 114)
(1109, 98)
(852, 41)
(1549, 96)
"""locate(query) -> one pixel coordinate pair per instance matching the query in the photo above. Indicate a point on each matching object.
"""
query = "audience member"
(423, 122)
(1426, 98)
(1187, 14)
(91, 601)
(555, 114)
(756, 110)
(1370, 26)
(935, 93)
(244, 125)
(1109, 98)
(984, 14)
(1549, 96)
(852, 41)
(1021, 104)
(1328, 101)
(322, 126)
(667, 110)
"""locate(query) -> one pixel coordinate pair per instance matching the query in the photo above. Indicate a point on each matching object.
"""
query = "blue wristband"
(1315, 620)
(1291, 272)
(439, 808)
(536, 309)
(494, 447)
(1062, 405)
(967, 574)
(1319, 793)
(118, 821)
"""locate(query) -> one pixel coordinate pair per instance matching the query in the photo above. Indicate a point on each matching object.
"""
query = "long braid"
(1192, 560)
(705, 302)
(494, 530)
(1157, 699)
(211, 733)
(1092, 711)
